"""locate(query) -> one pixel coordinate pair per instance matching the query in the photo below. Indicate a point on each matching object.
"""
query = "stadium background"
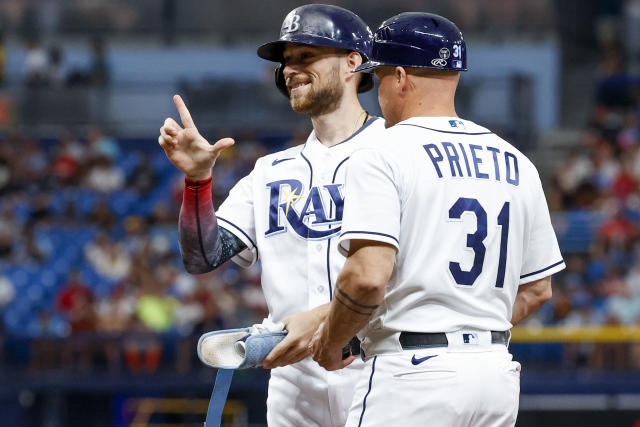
(98, 319)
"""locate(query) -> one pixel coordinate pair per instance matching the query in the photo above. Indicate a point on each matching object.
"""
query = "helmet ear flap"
(366, 82)
(280, 82)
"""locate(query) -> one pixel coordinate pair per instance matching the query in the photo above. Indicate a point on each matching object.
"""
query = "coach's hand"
(295, 347)
(186, 148)
(327, 354)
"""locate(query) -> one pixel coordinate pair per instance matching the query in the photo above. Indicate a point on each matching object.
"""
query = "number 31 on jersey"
(475, 241)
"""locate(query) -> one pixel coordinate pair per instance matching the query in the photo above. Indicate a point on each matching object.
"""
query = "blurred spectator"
(156, 311)
(7, 292)
(70, 154)
(5, 174)
(99, 70)
(108, 258)
(115, 312)
(56, 73)
(115, 317)
(144, 177)
(136, 234)
(31, 251)
(33, 165)
(102, 216)
(99, 145)
(615, 89)
(9, 231)
(103, 176)
(75, 300)
(35, 64)
(576, 169)
(605, 166)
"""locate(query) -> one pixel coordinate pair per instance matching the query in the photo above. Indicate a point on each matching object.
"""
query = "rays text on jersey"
(473, 161)
(314, 216)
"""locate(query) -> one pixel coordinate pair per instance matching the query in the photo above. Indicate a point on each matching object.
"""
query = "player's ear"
(353, 60)
(400, 78)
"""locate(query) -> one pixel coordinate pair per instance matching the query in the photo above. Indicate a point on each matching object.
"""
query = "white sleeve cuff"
(542, 273)
(347, 236)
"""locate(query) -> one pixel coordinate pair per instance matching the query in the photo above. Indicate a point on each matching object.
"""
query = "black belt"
(412, 340)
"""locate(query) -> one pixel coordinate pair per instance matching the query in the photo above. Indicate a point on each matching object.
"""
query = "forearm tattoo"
(353, 305)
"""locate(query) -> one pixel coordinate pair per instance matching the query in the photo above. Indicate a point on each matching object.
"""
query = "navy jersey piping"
(364, 402)
(446, 131)
(335, 173)
(310, 169)
(333, 181)
(542, 270)
(329, 269)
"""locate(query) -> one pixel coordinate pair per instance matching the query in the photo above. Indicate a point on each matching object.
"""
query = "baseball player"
(449, 245)
(288, 210)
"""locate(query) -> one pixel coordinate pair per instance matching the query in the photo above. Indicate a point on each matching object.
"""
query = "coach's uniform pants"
(305, 395)
(465, 386)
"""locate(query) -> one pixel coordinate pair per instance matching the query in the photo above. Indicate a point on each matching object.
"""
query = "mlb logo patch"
(457, 63)
(470, 338)
(456, 124)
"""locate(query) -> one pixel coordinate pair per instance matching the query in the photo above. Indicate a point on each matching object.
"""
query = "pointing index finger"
(185, 116)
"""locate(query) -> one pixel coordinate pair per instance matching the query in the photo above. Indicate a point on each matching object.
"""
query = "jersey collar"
(314, 145)
(445, 124)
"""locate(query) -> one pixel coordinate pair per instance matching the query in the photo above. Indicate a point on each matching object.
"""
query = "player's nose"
(288, 71)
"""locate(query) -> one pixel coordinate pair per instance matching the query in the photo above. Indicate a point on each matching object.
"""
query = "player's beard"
(321, 98)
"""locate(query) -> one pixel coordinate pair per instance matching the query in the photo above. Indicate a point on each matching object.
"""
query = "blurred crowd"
(596, 189)
(595, 203)
(89, 253)
(45, 66)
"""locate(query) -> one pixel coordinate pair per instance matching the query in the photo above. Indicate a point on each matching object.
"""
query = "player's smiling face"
(313, 78)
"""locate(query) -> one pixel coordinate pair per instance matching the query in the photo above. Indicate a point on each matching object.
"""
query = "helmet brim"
(272, 51)
(367, 67)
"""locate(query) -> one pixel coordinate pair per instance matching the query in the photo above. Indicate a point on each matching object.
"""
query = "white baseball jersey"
(468, 216)
(288, 211)
(467, 213)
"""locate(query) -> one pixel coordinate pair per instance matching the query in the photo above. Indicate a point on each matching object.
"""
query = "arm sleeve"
(204, 245)
(372, 202)
(541, 256)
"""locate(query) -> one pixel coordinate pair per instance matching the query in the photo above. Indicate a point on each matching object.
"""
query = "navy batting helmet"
(421, 40)
(320, 25)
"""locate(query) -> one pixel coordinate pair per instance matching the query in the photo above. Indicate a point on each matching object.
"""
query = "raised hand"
(186, 148)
